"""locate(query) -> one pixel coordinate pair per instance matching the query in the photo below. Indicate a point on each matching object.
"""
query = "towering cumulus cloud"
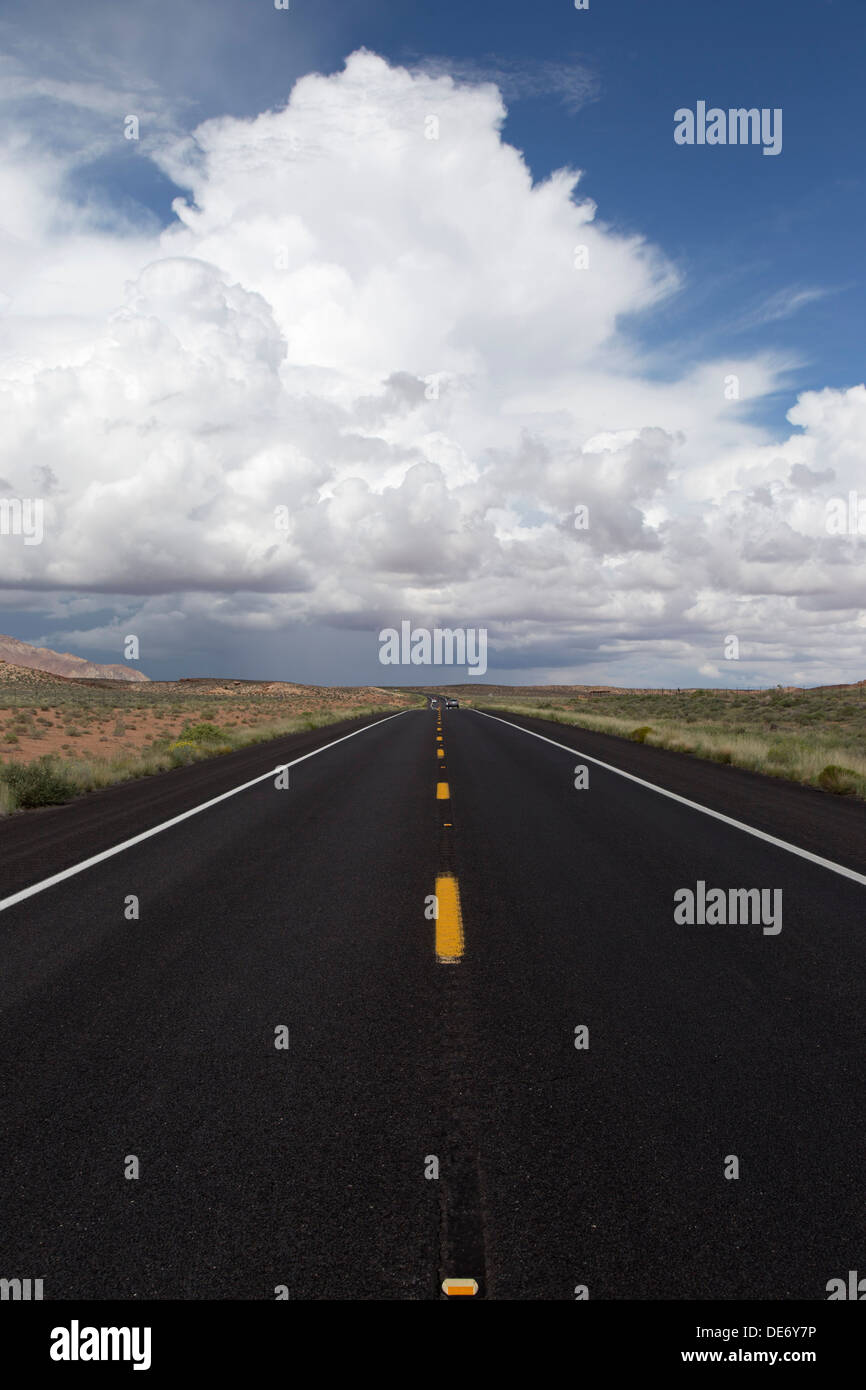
(373, 372)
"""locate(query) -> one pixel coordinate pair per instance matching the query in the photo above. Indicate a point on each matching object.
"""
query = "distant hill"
(27, 676)
(63, 663)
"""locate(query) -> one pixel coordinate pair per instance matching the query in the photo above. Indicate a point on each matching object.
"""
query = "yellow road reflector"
(438, 738)
(449, 921)
(442, 791)
(459, 1287)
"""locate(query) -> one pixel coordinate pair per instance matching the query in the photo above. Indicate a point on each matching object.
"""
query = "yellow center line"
(465, 1288)
(439, 753)
(449, 920)
(442, 791)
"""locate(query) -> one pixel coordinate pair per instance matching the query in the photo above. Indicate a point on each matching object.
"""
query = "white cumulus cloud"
(368, 321)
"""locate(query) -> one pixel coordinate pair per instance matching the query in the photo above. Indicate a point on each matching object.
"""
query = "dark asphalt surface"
(305, 907)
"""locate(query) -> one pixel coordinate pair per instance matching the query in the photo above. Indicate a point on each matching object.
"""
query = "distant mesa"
(17, 653)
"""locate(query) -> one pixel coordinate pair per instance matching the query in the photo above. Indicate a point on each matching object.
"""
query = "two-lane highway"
(328, 1088)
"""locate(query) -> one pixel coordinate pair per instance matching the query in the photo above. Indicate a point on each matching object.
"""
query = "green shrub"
(181, 754)
(202, 733)
(841, 780)
(640, 735)
(40, 783)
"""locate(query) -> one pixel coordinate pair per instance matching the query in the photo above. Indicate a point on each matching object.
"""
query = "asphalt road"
(412, 1040)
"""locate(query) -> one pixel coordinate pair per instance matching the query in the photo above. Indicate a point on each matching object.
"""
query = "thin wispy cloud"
(571, 82)
(783, 304)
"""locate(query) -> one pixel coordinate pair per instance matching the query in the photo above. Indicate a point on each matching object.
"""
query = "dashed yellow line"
(440, 753)
(449, 920)
(465, 1288)
(443, 792)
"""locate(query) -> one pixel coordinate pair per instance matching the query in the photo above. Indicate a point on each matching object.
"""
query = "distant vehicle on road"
(452, 704)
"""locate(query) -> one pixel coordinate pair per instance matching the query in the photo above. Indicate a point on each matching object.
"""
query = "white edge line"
(175, 820)
(684, 801)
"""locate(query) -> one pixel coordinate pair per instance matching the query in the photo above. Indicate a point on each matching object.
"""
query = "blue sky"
(768, 251)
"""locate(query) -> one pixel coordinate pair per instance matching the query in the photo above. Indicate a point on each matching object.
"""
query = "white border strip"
(185, 815)
(684, 801)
